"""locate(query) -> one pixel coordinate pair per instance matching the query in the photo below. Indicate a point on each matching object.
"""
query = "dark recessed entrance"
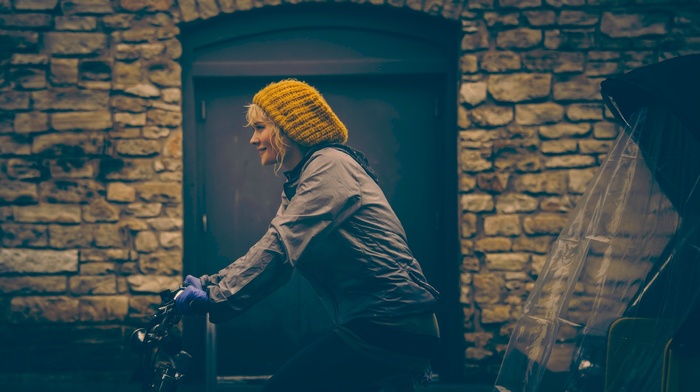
(390, 75)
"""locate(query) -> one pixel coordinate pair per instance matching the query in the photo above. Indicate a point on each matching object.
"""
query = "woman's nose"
(254, 140)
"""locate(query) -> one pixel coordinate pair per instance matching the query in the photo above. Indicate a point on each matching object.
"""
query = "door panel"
(392, 119)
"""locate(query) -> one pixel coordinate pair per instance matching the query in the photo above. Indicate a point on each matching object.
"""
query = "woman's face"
(262, 140)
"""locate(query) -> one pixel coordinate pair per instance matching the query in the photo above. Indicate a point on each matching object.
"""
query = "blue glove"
(193, 281)
(193, 299)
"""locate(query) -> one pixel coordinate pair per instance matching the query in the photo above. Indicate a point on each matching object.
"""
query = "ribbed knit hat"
(301, 112)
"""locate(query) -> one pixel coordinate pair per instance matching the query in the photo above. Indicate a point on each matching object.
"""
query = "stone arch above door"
(194, 10)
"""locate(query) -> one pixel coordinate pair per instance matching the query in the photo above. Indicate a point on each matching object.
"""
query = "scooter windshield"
(623, 276)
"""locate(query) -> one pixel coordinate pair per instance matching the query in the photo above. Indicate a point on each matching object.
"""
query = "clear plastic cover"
(624, 274)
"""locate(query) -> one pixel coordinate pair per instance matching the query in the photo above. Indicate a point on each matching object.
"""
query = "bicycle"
(163, 363)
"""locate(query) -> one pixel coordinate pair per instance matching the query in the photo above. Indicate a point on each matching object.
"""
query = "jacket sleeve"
(261, 271)
(327, 194)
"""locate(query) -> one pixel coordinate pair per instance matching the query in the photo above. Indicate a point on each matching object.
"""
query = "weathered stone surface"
(63, 71)
(13, 100)
(500, 61)
(473, 93)
(31, 122)
(493, 244)
(126, 169)
(594, 146)
(624, 25)
(130, 119)
(500, 19)
(161, 192)
(557, 204)
(605, 130)
(71, 168)
(577, 18)
(476, 202)
(515, 202)
(492, 115)
(120, 192)
(18, 192)
(164, 118)
(567, 161)
(584, 111)
(35, 5)
(544, 223)
(103, 255)
(540, 18)
(171, 240)
(76, 23)
(161, 263)
(108, 235)
(495, 314)
(520, 38)
(476, 36)
(538, 113)
(69, 144)
(88, 121)
(99, 268)
(173, 145)
(47, 213)
(38, 261)
(75, 43)
(473, 161)
(22, 169)
(569, 39)
(493, 182)
(487, 288)
(502, 225)
(468, 226)
(24, 236)
(579, 180)
(146, 5)
(103, 308)
(468, 64)
(11, 145)
(70, 191)
(27, 285)
(144, 210)
(152, 283)
(564, 130)
(92, 285)
(146, 242)
(551, 182)
(29, 78)
(520, 3)
(71, 7)
(519, 87)
(507, 261)
(165, 224)
(68, 237)
(70, 99)
(138, 147)
(188, 10)
(559, 147)
(29, 59)
(580, 88)
(44, 309)
(539, 244)
(129, 104)
(100, 210)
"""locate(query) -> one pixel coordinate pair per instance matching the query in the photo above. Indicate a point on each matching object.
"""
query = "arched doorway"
(391, 76)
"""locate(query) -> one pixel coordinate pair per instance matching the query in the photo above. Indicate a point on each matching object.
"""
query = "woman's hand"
(192, 300)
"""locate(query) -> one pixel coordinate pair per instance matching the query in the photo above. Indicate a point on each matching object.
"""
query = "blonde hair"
(280, 141)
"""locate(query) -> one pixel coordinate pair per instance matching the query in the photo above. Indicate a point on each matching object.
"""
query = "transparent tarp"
(622, 280)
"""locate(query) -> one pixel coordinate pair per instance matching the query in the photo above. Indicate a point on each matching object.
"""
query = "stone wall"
(91, 157)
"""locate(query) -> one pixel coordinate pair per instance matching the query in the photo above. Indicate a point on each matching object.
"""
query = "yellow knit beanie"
(301, 112)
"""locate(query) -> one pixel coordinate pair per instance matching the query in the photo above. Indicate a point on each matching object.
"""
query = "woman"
(336, 227)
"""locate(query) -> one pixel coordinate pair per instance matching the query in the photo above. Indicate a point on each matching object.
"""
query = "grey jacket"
(340, 233)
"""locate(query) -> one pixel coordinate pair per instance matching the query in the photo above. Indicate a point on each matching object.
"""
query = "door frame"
(416, 25)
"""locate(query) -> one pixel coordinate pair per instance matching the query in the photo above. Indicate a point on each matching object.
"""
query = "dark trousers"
(330, 365)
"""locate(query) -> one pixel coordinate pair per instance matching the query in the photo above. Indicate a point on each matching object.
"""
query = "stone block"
(108, 235)
(63, 71)
(605, 130)
(18, 192)
(68, 144)
(104, 308)
(99, 210)
(554, 147)
(493, 244)
(146, 242)
(104, 255)
(53, 309)
(476, 36)
(70, 99)
(502, 225)
(188, 10)
(47, 213)
(579, 180)
(578, 88)
(126, 169)
(144, 210)
(72, 168)
(70, 191)
(507, 261)
(86, 121)
(488, 288)
(70, 43)
(584, 111)
(557, 204)
(31, 122)
(23, 169)
(492, 314)
(540, 17)
(152, 284)
(69, 237)
(473, 161)
(626, 25)
(138, 147)
(492, 115)
(577, 18)
(120, 192)
(476, 202)
(76, 23)
(32, 285)
(519, 87)
(24, 236)
(540, 244)
(160, 192)
(164, 118)
(165, 224)
(538, 113)
(92, 285)
(473, 93)
(29, 59)
(99, 268)
(545, 223)
(468, 225)
(14, 100)
(564, 130)
(34, 261)
(493, 182)
(500, 61)
(569, 161)
(161, 263)
(551, 182)
(171, 240)
(12, 145)
(520, 38)
(515, 202)
(594, 146)
(71, 7)
(146, 5)
(35, 5)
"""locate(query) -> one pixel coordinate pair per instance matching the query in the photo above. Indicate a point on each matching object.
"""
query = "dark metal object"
(163, 363)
